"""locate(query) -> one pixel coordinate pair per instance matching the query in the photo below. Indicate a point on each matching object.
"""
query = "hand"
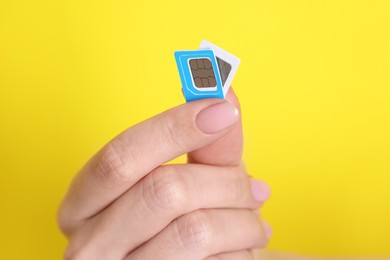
(126, 204)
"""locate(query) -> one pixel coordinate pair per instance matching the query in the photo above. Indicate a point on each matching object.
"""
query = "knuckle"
(111, 166)
(195, 230)
(165, 189)
(66, 220)
(62, 215)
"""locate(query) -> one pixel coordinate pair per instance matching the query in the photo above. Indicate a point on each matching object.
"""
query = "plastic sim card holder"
(199, 74)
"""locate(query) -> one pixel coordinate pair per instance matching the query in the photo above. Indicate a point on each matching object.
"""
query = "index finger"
(140, 149)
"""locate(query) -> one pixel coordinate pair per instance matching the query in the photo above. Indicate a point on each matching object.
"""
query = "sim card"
(199, 74)
(227, 64)
(207, 72)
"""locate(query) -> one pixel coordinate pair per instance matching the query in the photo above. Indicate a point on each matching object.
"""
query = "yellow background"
(314, 86)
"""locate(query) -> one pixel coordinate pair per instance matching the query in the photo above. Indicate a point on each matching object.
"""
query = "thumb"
(225, 151)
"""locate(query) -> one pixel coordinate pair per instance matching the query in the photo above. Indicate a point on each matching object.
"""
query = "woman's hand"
(126, 204)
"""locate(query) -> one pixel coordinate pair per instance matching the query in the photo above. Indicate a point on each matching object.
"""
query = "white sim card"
(227, 64)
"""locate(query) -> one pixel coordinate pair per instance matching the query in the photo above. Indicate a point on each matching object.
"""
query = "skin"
(126, 203)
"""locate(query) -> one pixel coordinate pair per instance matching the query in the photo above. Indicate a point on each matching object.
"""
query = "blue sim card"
(199, 74)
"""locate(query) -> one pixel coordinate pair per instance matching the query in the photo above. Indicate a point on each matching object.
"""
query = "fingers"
(140, 149)
(204, 233)
(164, 195)
(227, 150)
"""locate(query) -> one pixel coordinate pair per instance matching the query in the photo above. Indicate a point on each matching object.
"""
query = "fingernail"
(267, 229)
(217, 117)
(260, 190)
